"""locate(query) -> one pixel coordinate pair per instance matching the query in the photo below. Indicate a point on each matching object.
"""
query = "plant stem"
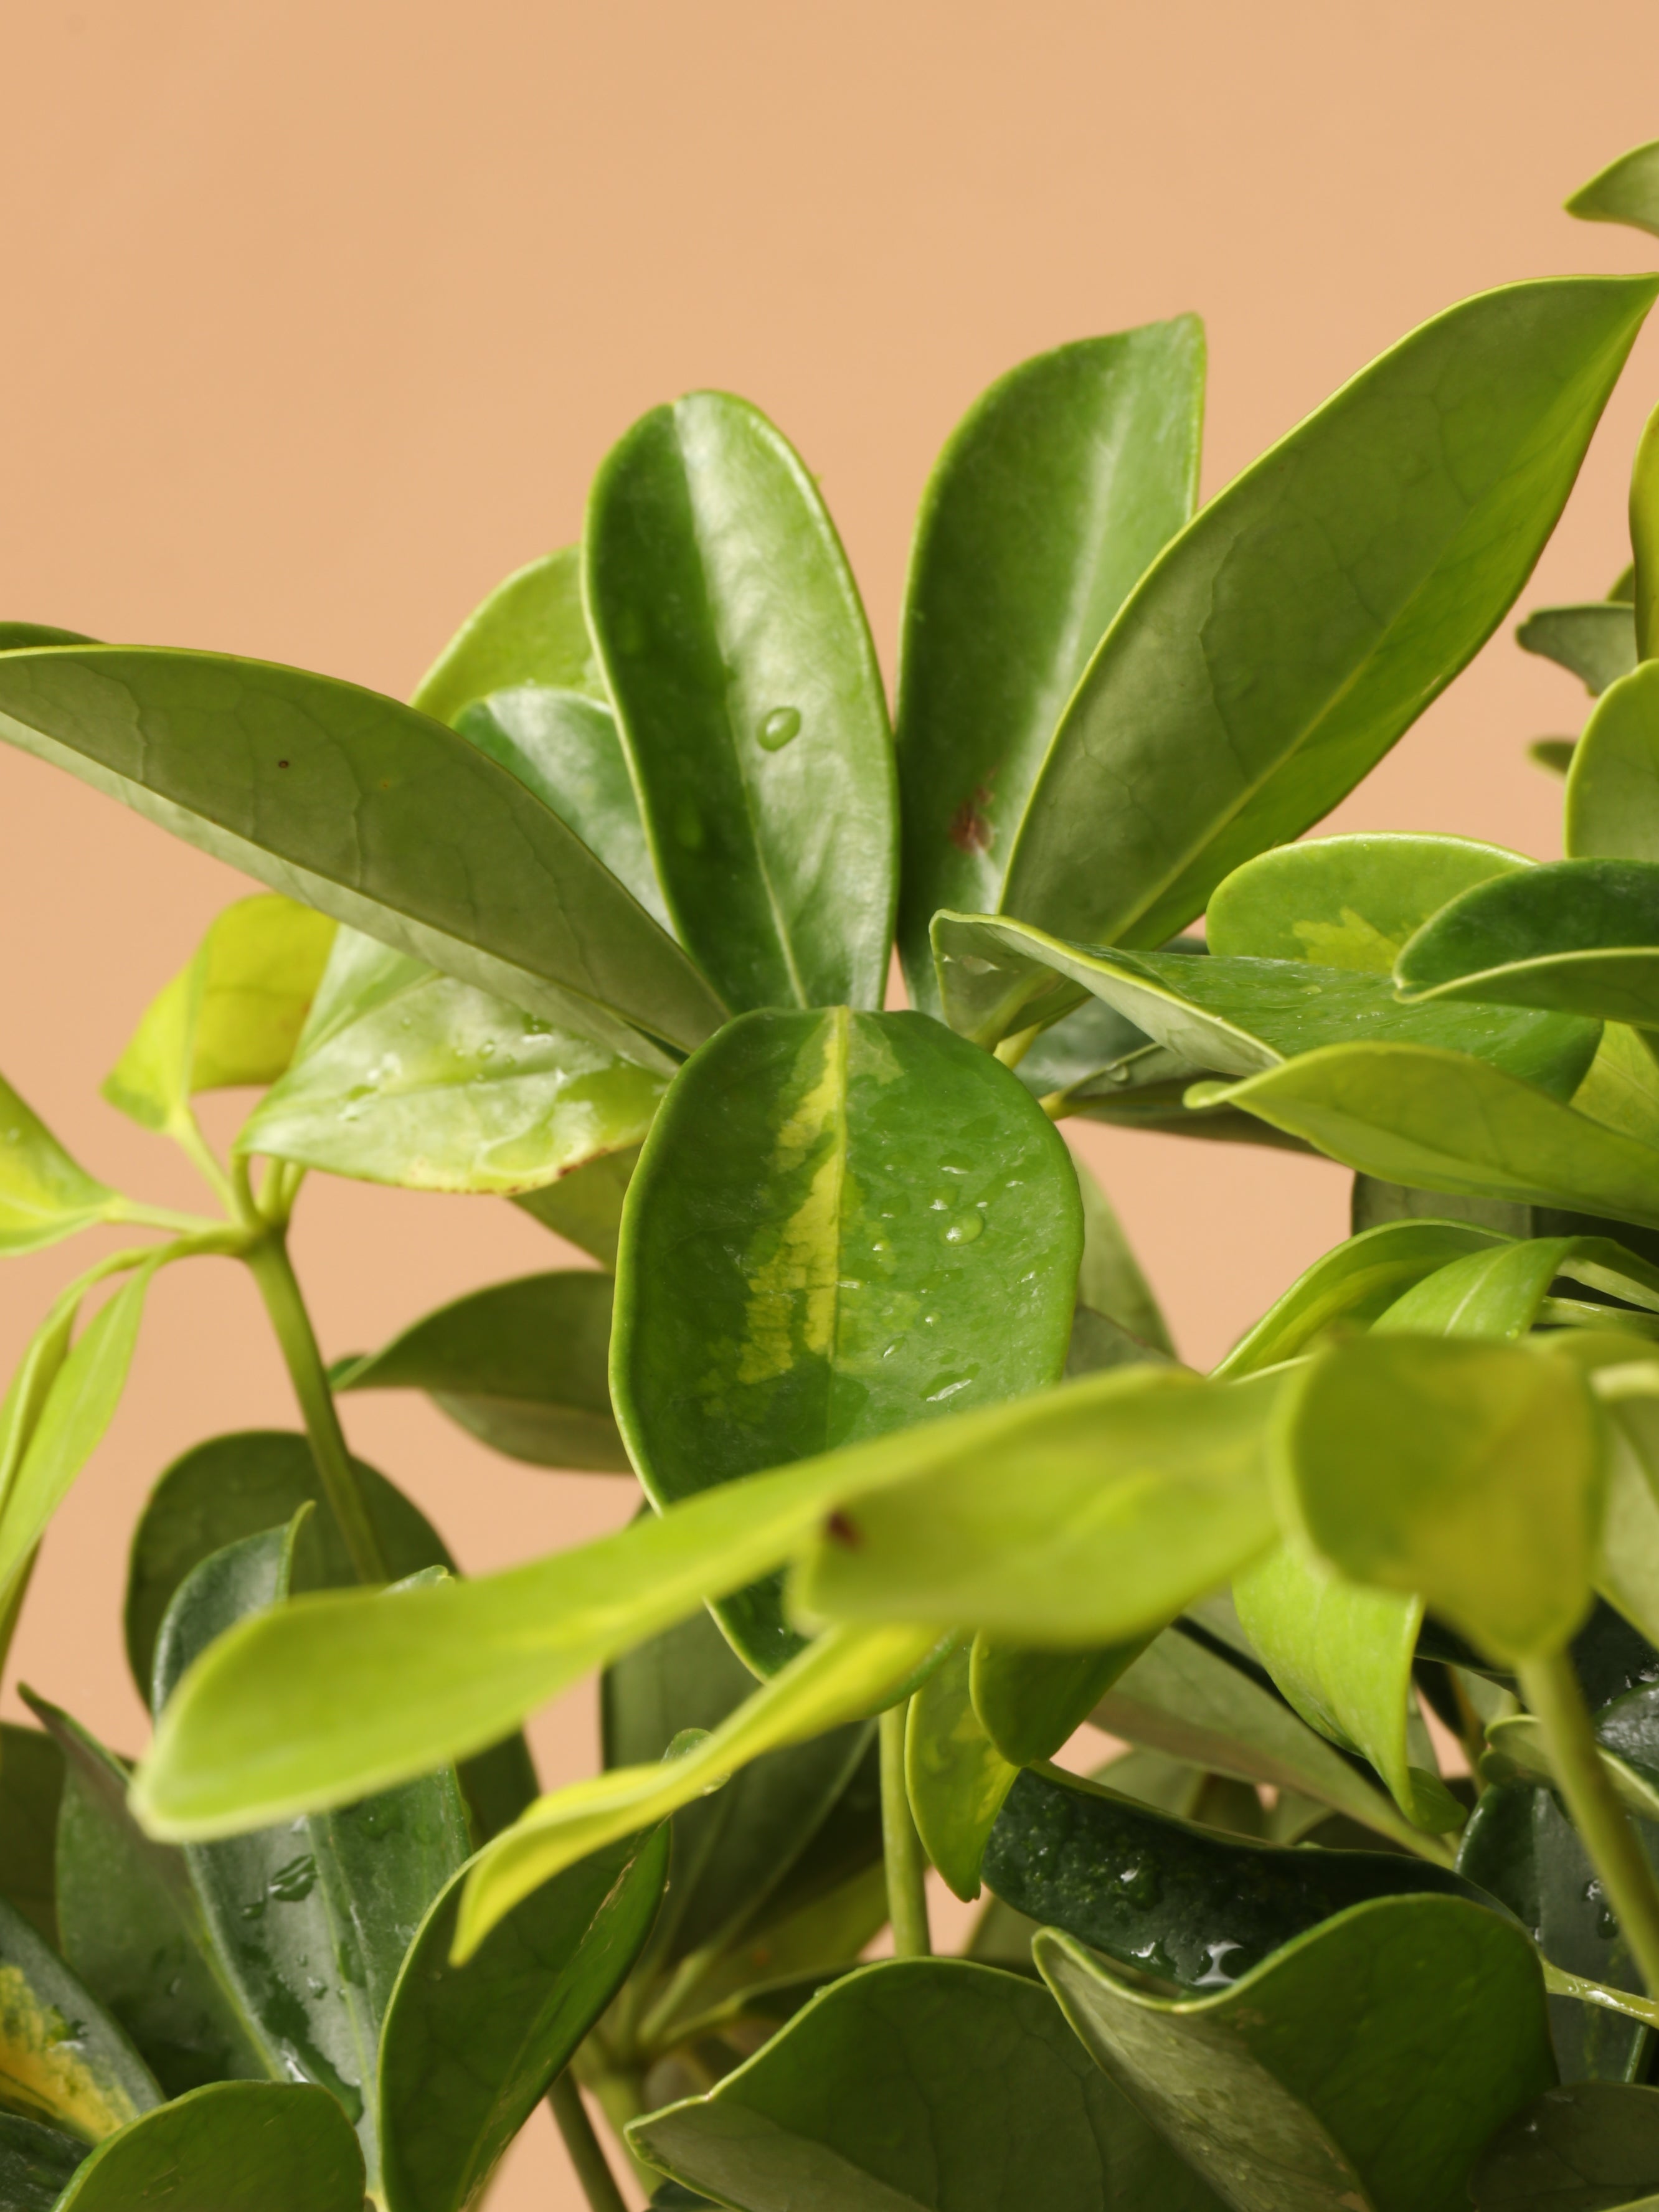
(587, 2152)
(906, 1870)
(273, 1271)
(1551, 1688)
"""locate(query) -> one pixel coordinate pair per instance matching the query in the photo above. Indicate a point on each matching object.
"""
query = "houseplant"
(602, 924)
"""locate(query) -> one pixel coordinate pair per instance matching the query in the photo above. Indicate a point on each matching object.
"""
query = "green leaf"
(737, 654)
(1553, 754)
(520, 1365)
(1595, 641)
(31, 1790)
(1470, 1474)
(237, 2145)
(468, 2052)
(1166, 1896)
(585, 1205)
(1626, 191)
(1627, 1565)
(1445, 1121)
(530, 629)
(1053, 496)
(1345, 902)
(16, 637)
(1577, 936)
(1363, 2065)
(1613, 788)
(371, 812)
(1307, 615)
(130, 1927)
(957, 2088)
(44, 1194)
(1592, 2147)
(1235, 1015)
(62, 2060)
(1089, 1050)
(842, 1224)
(406, 1076)
(311, 1920)
(36, 2163)
(845, 1675)
(1030, 1702)
(956, 1777)
(1110, 1281)
(566, 749)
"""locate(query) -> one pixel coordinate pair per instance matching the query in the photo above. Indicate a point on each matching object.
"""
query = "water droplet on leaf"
(779, 726)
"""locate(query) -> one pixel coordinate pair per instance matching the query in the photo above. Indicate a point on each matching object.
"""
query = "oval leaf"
(530, 629)
(238, 2146)
(44, 1194)
(1578, 937)
(1345, 902)
(1612, 786)
(955, 1776)
(1626, 191)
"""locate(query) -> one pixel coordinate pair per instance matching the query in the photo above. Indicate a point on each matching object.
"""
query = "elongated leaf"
(1553, 754)
(1467, 1473)
(520, 1365)
(468, 2052)
(16, 637)
(956, 1777)
(585, 1205)
(237, 2145)
(958, 2089)
(44, 1194)
(844, 1675)
(1588, 2148)
(31, 1792)
(1345, 902)
(1302, 622)
(1613, 787)
(1031, 1703)
(737, 652)
(1627, 1565)
(842, 1223)
(1444, 1121)
(1364, 2063)
(131, 1928)
(1579, 937)
(1110, 1281)
(62, 2060)
(371, 812)
(565, 749)
(530, 629)
(405, 1076)
(36, 2163)
(1050, 499)
(1626, 191)
(1595, 641)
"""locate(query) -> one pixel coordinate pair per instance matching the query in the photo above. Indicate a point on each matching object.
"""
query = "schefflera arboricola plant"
(602, 923)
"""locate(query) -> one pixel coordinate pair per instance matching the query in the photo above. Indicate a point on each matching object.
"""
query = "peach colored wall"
(319, 317)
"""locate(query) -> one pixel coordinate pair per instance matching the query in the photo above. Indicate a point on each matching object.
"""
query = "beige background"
(320, 316)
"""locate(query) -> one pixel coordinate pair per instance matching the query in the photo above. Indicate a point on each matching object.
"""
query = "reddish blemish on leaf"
(970, 826)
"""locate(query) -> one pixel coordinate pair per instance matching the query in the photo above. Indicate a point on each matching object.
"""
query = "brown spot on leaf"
(840, 1530)
(970, 826)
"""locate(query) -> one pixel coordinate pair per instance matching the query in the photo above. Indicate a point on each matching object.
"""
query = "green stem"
(273, 1271)
(907, 1869)
(587, 2152)
(1551, 1688)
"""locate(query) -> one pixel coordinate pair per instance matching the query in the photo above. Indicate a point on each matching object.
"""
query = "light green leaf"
(530, 629)
(1627, 1564)
(1613, 787)
(237, 2145)
(1578, 937)
(1051, 498)
(44, 1194)
(520, 1365)
(371, 812)
(955, 1776)
(88, 2082)
(745, 684)
(585, 1205)
(405, 1076)
(1307, 615)
(1626, 191)
(1596, 641)
(841, 1225)
(1345, 902)
(1470, 1474)
(1110, 1281)
(1364, 2065)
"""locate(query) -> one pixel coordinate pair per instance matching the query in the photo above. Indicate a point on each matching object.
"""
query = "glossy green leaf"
(237, 2145)
(1626, 191)
(36, 2163)
(956, 1777)
(1445, 1121)
(406, 1076)
(31, 1792)
(1596, 641)
(585, 1205)
(1519, 1749)
(311, 1920)
(467, 2052)
(1110, 1281)
(44, 1194)
(842, 1223)
(130, 1927)
(1030, 1702)
(1591, 2147)
(1467, 1473)
(1363, 2064)
(1307, 615)
(1053, 496)
(1091, 1050)
(1613, 789)
(369, 811)
(1578, 937)
(846, 1674)
(957, 2088)
(521, 1365)
(565, 749)
(737, 652)
(62, 2059)
(1345, 901)
(530, 629)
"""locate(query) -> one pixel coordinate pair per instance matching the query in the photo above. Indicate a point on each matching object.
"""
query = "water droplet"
(1138, 1882)
(963, 1230)
(955, 1165)
(254, 1911)
(350, 1961)
(941, 1202)
(929, 1320)
(295, 1881)
(947, 1386)
(778, 727)
(1118, 1073)
(317, 1989)
(382, 1817)
(486, 1050)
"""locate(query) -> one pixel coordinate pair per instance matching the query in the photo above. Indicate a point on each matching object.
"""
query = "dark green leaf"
(1051, 498)
(841, 1225)
(1097, 1343)
(467, 2052)
(1305, 619)
(235, 2146)
(520, 1365)
(585, 1205)
(746, 683)
(31, 1791)
(1363, 2064)
(1578, 937)
(1592, 2147)
(1345, 901)
(1626, 191)
(17, 637)
(529, 630)
(370, 811)
(955, 2088)
(62, 2059)
(36, 2163)
(1554, 755)
(1595, 641)
(1032, 1702)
